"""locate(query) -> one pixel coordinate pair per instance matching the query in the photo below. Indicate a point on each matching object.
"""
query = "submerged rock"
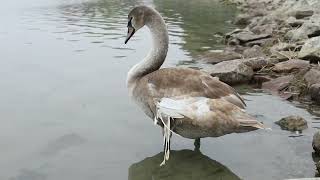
(290, 66)
(292, 123)
(314, 91)
(311, 49)
(316, 143)
(231, 72)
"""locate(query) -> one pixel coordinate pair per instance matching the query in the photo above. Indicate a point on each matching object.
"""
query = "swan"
(183, 101)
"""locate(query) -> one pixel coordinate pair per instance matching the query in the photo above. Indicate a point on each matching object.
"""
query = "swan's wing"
(207, 117)
(173, 82)
(215, 114)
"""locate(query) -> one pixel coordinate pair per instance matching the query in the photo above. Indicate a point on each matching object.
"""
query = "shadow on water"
(183, 165)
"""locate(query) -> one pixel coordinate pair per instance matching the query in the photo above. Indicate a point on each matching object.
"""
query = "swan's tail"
(165, 115)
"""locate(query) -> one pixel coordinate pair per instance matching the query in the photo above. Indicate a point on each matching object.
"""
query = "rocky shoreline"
(276, 48)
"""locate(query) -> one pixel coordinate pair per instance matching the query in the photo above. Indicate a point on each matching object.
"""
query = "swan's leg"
(197, 144)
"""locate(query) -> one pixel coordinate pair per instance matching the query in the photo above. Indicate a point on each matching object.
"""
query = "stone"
(259, 79)
(293, 22)
(244, 36)
(292, 123)
(290, 66)
(278, 85)
(300, 14)
(316, 142)
(310, 28)
(242, 19)
(230, 34)
(256, 63)
(318, 168)
(311, 49)
(215, 57)
(247, 36)
(231, 72)
(285, 47)
(255, 51)
(260, 42)
(312, 76)
(284, 55)
(264, 29)
(314, 92)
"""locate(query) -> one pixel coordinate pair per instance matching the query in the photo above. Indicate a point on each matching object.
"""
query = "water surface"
(65, 113)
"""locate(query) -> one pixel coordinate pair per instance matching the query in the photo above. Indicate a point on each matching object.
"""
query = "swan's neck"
(158, 52)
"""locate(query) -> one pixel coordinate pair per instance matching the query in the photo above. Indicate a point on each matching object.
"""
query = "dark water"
(65, 113)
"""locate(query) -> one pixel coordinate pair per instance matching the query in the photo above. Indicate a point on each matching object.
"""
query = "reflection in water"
(183, 165)
(203, 27)
(192, 26)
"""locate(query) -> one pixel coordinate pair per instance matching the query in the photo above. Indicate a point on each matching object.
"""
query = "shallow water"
(65, 113)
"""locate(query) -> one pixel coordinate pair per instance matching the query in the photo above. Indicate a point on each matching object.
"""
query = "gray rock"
(316, 143)
(259, 79)
(300, 14)
(290, 66)
(310, 28)
(292, 123)
(247, 36)
(311, 49)
(264, 29)
(314, 92)
(284, 55)
(318, 167)
(312, 77)
(260, 42)
(215, 57)
(244, 36)
(277, 86)
(255, 51)
(293, 22)
(231, 72)
(230, 34)
(285, 47)
(256, 63)
(242, 19)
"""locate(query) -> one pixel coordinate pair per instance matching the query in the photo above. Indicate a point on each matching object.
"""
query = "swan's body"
(188, 102)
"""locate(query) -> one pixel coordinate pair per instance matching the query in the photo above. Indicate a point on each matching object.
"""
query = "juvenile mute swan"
(183, 101)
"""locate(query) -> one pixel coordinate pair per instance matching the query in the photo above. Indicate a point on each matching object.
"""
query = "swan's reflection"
(183, 165)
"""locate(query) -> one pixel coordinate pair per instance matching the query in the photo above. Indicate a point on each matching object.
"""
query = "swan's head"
(136, 20)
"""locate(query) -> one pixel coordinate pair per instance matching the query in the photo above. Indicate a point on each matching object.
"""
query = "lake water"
(65, 112)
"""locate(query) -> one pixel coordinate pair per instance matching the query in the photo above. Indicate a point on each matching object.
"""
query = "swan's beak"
(131, 31)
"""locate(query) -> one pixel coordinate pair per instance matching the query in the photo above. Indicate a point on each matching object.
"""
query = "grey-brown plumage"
(188, 102)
